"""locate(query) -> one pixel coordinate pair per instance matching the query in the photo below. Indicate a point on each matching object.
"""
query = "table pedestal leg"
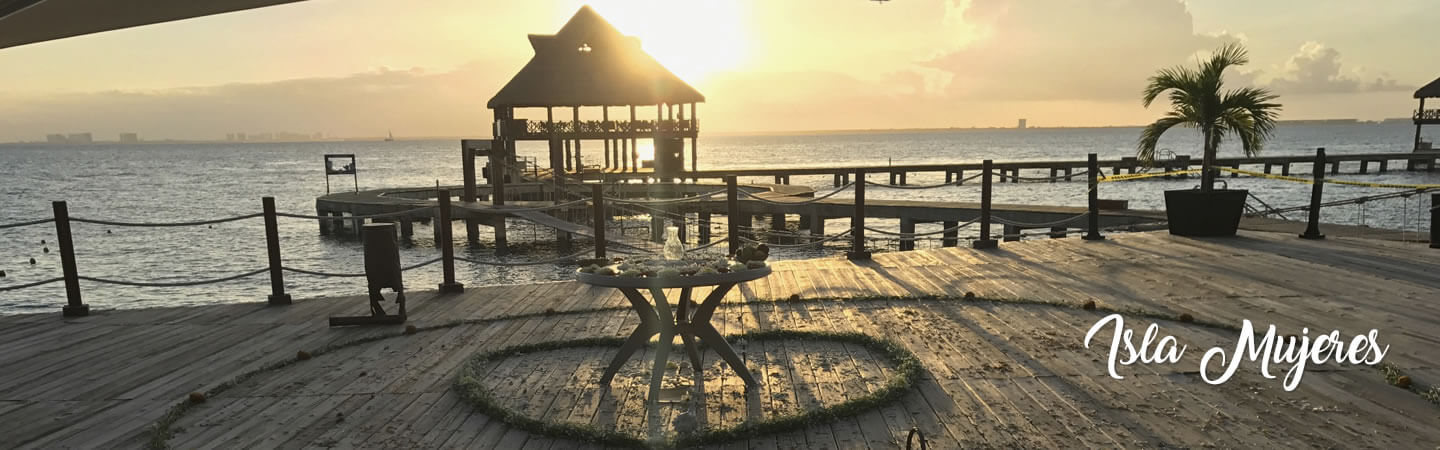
(682, 323)
(699, 325)
(662, 351)
(649, 326)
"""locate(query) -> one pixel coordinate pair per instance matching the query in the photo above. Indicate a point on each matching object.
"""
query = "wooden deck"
(997, 374)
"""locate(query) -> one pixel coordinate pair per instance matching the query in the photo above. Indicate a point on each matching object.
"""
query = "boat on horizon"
(389, 136)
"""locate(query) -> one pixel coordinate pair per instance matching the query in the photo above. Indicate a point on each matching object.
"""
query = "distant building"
(129, 138)
(1021, 125)
(79, 138)
(240, 137)
(60, 138)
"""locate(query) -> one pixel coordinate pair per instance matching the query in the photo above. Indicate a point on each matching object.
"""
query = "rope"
(807, 244)
(173, 284)
(355, 275)
(717, 241)
(805, 202)
(543, 208)
(372, 216)
(1004, 221)
(164, 224)
(1136, 176)
(666, 201)
(930, 186)
(527, 263)
(26, 224)
(29, 285)
(931, 233)
(1003, 176)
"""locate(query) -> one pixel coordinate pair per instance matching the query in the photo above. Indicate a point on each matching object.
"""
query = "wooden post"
(857, 221)
(1312, 229)
(732, 213)
(703, 231)
(694, 150)
(816, 225)
(497, 198)
(950, 238)
(75, 306)
(447, 245)
(1420, 113)
(1364, 166)
(907, 225)
(1434, 220)
(1054, 172)
(472, 228)
(777, 223)
(985, 241)
(1285, 169)
(407, 228)
(597, 203)
(272, 246)
(1010, 233)
(1093, 225)
(579, 167)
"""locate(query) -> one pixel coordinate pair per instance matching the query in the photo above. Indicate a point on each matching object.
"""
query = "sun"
(693, 38)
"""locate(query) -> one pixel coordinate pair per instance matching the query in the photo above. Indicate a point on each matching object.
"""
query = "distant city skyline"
(361, 67)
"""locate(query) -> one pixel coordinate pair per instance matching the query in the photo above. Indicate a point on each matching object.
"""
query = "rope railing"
(712, 243)
(364, 217)
(832, 193)
(543, 208)
(1003, 176)
(665, 201)
(570, 257)
(928, 233)
(1004, 221)
(174, 283)
(355, 275)
(928, 186)
(26, 223)
(807, 244)
(30, 285)
(116, 223)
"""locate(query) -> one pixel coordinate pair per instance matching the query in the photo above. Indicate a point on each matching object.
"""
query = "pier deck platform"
(996, 374)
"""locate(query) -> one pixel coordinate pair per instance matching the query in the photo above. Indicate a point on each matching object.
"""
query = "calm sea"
(183, 182)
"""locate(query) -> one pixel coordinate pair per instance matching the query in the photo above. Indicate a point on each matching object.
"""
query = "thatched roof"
(1431, 90)
(30, 21)
(589, 63)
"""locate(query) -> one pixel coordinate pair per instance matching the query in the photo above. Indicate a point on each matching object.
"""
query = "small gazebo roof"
(589, 63)
(1431, 90)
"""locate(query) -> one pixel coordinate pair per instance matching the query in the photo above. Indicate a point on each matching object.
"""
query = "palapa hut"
(1424, 116)
(588, 63)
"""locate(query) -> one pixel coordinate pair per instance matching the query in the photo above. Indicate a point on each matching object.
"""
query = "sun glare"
(693, 38)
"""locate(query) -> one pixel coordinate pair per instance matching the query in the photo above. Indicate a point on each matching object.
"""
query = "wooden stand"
(382, 270)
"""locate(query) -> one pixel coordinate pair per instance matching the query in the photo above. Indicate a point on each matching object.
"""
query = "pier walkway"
(995, 373)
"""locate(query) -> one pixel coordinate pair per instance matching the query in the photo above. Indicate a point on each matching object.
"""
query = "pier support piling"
(985, 241)
(272, 247)
(74, 305)
(447, 245)
(407, 228)
(1092, 224)
(1011, 233)
(817, 225)
(597, 205)
(857, 221)
(907, 225)
(950, 238)
(1312, 228)
(732, 214)
(702, 231)
(1434, 220)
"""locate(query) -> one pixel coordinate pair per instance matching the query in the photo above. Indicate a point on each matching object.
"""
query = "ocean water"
(159, 182)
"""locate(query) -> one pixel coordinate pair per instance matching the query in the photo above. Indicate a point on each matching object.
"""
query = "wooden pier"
(996, 374)
(1066, 169)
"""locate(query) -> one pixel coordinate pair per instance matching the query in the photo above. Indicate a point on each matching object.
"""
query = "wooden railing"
(1427, 114)
(600, 127)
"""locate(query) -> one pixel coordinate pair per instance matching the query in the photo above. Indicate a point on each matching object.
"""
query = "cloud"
(1317, 69)
(412, 102)
(1071, 49)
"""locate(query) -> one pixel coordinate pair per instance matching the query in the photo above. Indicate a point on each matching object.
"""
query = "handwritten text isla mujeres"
(1265, 350)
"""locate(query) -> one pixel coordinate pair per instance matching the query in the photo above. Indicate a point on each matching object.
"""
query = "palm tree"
(1196, 101)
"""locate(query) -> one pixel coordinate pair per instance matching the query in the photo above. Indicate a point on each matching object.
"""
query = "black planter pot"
(1195, 213)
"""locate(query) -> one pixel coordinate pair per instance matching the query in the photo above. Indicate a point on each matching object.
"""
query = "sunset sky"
(361, 67)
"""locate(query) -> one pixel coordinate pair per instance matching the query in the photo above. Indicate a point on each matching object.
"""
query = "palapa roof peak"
(589, 63)
(1431, 90)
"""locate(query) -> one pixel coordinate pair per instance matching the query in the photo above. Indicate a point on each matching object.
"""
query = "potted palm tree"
(1198, 101)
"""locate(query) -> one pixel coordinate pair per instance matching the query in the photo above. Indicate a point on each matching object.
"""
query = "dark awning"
(30, 21)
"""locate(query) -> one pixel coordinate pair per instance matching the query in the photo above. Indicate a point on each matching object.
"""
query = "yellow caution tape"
(1331, 181)
(1137, 176)
(1266, 175)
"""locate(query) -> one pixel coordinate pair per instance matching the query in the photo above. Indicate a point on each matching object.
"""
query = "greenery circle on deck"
(907, 372)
